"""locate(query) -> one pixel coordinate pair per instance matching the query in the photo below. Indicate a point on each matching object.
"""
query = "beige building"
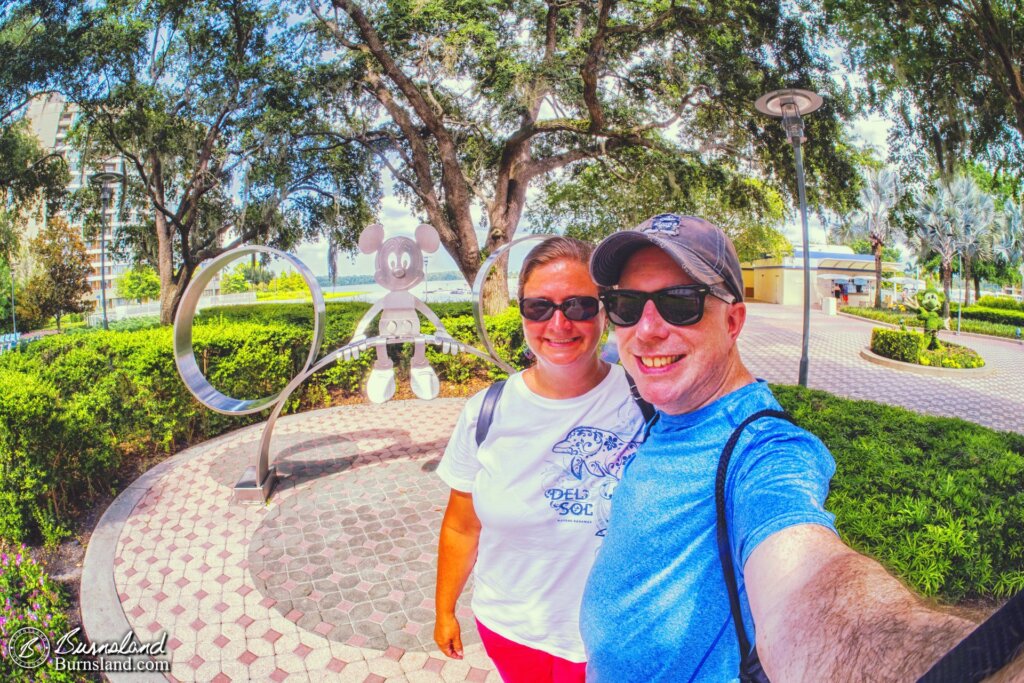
(781, 280)
(51, 118)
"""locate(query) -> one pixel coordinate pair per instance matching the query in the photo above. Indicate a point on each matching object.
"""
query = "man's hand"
(824, 612)
(448, 635)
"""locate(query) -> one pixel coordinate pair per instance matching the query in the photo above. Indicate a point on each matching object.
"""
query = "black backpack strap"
(986, 650)
(724, 550)
(483, 421)
(646, 409)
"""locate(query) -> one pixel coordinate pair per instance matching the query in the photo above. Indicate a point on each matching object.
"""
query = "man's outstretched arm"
(824, 612)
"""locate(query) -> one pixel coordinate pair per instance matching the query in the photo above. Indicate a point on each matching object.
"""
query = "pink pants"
(521, 664)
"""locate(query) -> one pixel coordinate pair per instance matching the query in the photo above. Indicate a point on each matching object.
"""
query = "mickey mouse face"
(399, 264)
(399, 260)
(931, 301)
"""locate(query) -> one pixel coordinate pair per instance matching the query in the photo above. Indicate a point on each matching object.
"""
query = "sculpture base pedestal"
(248, 490)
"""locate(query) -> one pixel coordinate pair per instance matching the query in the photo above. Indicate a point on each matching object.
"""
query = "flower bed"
(912, 347)
(31, 599)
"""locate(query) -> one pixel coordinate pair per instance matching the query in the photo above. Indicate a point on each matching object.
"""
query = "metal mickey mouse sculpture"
(399, 268)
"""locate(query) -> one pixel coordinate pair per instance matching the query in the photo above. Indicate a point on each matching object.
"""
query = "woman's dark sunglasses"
(574, 308)
(681, 305)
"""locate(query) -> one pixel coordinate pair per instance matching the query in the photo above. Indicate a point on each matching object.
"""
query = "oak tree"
(469, 104)
(197, 97)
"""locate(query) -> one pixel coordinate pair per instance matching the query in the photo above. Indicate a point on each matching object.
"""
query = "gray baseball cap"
(699, 247)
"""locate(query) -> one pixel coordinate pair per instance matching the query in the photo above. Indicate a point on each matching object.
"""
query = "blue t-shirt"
(656, 607)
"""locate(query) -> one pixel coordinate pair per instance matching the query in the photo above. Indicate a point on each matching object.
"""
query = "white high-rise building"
(50, 118)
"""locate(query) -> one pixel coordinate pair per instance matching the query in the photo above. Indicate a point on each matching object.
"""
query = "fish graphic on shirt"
(600, 452)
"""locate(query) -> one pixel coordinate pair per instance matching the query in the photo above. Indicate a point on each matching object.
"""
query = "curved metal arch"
(184, 353)
(259, 479)
(349, 351)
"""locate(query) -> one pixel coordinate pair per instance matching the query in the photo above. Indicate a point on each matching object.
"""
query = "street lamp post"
(10, 263)
(963, 292)
(102, 180)
(790, 105)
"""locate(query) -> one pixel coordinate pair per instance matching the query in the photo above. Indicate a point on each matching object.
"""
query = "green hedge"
(912, 347)
(1001, 316)
(74, 407)
(1004, 302)
(910, 319)
(937, 500)
(901, 345)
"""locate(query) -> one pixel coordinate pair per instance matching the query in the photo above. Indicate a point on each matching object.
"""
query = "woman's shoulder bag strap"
(483, 421)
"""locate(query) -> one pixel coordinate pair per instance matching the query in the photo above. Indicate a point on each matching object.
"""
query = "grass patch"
(937, 500)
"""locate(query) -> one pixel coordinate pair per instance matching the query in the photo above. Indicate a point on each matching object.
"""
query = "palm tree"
(877, 197)
(977, 216)
(937, 232)
(1010, 236)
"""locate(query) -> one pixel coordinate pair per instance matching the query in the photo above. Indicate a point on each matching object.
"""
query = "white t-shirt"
(542, 483)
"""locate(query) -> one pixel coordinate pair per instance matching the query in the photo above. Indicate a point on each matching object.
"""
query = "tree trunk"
(977, 287)
(496, 295)
(965, 278)
(496, 292)
(170, 298)
(947, 284)
(169, 295)
(878, 274)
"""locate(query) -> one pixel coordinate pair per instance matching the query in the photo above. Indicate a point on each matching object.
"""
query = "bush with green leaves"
(74, 406)
(901, 345)
(1004, 302)
(30, 598)
(1000, 316)
(52, 453)
(911, 347)
(910, 320)
(936, 500)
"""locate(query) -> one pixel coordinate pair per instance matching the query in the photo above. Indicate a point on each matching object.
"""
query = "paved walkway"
(333, 578)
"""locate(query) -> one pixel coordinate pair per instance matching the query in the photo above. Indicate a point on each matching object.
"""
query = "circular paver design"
(356, 555)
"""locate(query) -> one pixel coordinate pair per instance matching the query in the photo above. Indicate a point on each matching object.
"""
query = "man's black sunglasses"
(680, 305)
(574, 308)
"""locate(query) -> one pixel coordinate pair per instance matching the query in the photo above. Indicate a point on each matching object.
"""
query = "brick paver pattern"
(333, 578)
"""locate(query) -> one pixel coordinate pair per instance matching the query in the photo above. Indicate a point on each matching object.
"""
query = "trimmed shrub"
(73, 407)
(53, 453)
(1004, 302)
(901, 345)
(1000, 316)
(910, 320)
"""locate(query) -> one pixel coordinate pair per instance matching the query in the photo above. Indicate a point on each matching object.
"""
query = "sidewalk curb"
(873, 357)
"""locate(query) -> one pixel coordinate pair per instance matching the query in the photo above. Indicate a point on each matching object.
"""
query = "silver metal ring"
(478, 296)
(184, 354)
